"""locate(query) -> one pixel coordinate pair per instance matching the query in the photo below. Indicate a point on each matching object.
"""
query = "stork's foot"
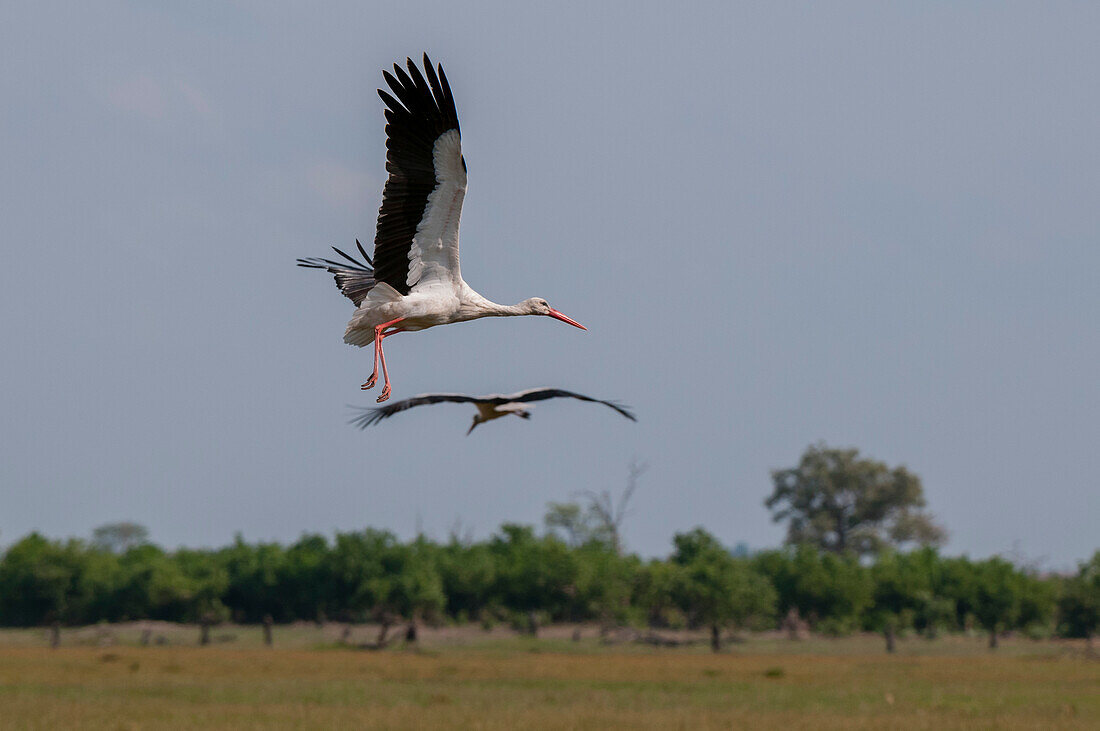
(385, 394)
(370, 382)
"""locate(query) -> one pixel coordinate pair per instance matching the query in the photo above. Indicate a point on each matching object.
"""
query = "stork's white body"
(420, 310)
(437, 293)
(415, 280)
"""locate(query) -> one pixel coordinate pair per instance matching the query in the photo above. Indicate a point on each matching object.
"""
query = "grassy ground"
(474, 681)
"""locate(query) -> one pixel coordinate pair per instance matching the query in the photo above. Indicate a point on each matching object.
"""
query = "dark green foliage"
(256, 576)
(655, 592)
(469, 573)
(518, 574)
(714, 589)
(40, 581)
(606, 583)
(830, 591)
(533, 574)
(1079, 605)
(905, 593)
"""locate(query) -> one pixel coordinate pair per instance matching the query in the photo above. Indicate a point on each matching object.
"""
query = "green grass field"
(478, 680)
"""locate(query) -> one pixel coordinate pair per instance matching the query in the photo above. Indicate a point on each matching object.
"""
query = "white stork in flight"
(414, 281)
(488, 407)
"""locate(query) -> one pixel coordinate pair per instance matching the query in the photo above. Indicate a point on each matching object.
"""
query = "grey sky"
(874, 225)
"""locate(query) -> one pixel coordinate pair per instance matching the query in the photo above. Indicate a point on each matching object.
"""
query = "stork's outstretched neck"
(478, 306)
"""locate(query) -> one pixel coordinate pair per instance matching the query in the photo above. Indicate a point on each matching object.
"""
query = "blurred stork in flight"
(414, 281)
(488, 407)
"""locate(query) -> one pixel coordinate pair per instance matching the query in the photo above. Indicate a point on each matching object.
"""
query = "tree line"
(862, 554)
(525, 577)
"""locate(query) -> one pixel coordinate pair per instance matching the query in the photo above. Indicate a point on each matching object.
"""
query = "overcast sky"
(874, 225)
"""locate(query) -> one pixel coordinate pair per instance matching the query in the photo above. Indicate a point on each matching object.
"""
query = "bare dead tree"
(460, 533)
(610, 513)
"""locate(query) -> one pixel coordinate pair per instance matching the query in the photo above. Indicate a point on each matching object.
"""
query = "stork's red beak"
(554, 313)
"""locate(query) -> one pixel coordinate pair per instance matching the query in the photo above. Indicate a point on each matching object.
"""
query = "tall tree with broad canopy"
(837, 501)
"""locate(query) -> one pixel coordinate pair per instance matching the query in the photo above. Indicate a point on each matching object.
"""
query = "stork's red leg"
(386, 378)
(378, 337)
(385, 373)
(374, 374)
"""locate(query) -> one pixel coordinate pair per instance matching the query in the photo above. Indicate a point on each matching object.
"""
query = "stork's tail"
(355, 280)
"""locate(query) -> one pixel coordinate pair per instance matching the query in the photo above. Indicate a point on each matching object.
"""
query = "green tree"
(605, 584)
(655, 594)
(254, 587)
(904, 594)
(839, 502)
(307, 581)
(997, 592)
(1079, 604)
(533, 574)
(201, 583)
(149, 586)
(830, 591)
(714, 589)
(468, 573)
(415, 588)
(359, 561)
(36, 581)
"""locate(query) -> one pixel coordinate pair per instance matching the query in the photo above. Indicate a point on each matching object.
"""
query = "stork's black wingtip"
(365, 418)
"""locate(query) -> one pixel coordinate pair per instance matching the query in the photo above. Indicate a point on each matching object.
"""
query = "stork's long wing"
(417, 235)
(541, 394)
(370, 416)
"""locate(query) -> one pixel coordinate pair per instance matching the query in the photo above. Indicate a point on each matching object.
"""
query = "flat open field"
(510, 682)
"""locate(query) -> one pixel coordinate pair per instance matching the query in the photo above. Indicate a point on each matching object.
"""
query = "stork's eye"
(544, 303)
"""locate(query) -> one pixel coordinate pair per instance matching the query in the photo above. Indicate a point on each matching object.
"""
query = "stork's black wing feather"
(418, 112)
(370, 416)
(354, 280)
(541, 394)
